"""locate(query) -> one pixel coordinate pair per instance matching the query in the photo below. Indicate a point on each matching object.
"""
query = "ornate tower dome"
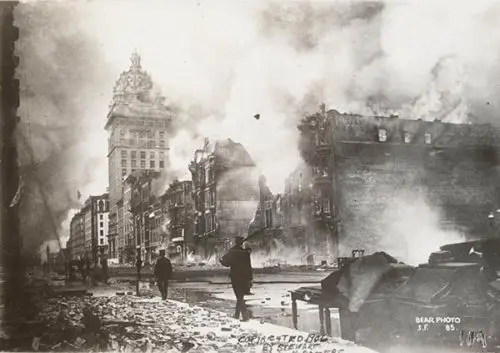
(132, 85)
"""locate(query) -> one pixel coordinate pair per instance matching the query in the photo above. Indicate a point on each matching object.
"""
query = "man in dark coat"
(163, 272)
(241, 274)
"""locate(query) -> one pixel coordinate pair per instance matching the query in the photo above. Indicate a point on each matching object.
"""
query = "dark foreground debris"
(125, 323)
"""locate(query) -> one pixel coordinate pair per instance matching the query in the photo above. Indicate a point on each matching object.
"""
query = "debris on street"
(124, 323)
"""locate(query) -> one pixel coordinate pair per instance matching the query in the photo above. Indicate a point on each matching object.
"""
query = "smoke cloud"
(413, 229)
(59, 72)
(233, 60)
(280, 60)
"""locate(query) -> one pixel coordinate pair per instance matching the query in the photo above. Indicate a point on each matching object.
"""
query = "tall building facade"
(138, 124)
(76, 241)
(94, 216)
(102, 226)
(367, 170)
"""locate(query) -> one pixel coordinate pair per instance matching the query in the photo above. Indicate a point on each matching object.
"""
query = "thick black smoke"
(59, 75)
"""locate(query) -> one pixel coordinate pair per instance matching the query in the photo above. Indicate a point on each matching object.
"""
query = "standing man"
(163, 272)
(241, 274)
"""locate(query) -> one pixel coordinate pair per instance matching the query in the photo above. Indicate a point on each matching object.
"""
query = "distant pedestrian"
(81, 268)
(241, 274)
(163, 272)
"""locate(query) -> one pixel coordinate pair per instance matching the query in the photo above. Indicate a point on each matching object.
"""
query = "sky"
(222, 62)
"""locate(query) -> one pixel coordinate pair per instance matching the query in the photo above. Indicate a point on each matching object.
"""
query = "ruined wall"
(237, 197)
(400, 196)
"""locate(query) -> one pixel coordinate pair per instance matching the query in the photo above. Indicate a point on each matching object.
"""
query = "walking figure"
(241, 274)
(163, 272)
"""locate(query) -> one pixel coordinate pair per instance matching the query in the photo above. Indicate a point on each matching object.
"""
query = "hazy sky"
(224, 61)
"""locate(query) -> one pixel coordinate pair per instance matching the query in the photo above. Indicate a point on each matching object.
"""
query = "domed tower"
(138, 124)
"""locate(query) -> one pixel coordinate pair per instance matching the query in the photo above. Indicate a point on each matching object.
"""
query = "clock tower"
(137, 124)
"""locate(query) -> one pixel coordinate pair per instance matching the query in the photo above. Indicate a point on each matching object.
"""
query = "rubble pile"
(136, 324)
(129, 324)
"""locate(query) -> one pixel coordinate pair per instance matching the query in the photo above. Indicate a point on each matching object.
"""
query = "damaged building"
(292, 219)
(178, 210)
(225, 194)
(143, 205)
(151, 222)
(361, 165)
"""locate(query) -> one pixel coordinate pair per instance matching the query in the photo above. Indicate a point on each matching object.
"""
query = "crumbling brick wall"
(458, 185)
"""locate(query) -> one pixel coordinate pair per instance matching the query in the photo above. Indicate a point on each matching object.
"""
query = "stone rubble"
(132, 324)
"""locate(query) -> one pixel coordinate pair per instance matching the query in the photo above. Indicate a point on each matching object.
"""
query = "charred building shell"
(178, 209)
(225, 192)
(142, 207)
(359, 163)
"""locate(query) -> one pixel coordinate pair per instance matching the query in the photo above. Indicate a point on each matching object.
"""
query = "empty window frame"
(382, 135)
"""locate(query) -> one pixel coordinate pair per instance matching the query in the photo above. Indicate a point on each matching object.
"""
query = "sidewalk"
(126, 323)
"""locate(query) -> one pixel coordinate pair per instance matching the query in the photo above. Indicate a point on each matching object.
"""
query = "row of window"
(143, 166)
(269, 218)
(142, 133)
(133, 164)
(204, 176)
(142, 154)
(176, 198)
(143, 144)
(209, 199)
(205, 224)
(322, 205)
(142, 138)
(382, 136)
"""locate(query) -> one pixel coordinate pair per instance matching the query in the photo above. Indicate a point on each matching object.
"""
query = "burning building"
(178, 208)
(367, 169)
(143, 204)
(288, 221)
(268, 220)
(225, 194)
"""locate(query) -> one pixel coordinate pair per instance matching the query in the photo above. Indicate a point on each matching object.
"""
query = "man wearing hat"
(241, 274)
(163, 272)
